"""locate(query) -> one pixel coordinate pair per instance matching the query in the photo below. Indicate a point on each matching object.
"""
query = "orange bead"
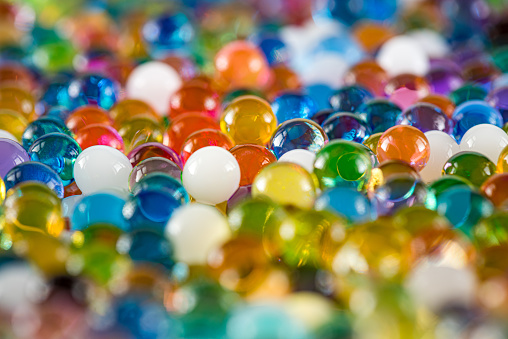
(404, 143)
(496, 189)
(18, 100)
(184, 66)
(241, 64)
(371, 35)
(99, 134)
(16, 75)
(184, 125)
(369, 75)
(251, 158)
(194, 98)
(130, 108)
(87, 115)
(444, 103)
(283, 79)
(204, 138)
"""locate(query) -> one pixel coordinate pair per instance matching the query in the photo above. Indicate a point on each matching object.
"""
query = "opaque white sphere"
(19, 285)
(211, 175)
(442, 148)
(195, 230)
(154, 82)
(486, 139)
(431, 42)
(402, 54)
(100, 168)
(7, 135)
(300, 157)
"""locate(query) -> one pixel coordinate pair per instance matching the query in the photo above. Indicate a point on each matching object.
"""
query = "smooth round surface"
(297, 134)
(349, 98)
(194, 98)
(302, 157)
(442, 148)
(153, 149)
(348, 202)
(251, 159)
(400, 191)
(99, 134)
(99, 208)
(154, 165)
(102, 167)
(380, 114)
(286, 184)
(12, 154)
(472, 113)
(186, 124)
(486, 139)
(402, 54)
(495, 188)
(426, 117)
(404, 143)
(289, 106)
(211, 175)
(347, 126)
(154, 82)
(194, 231)
(204, 138)
(472, 166)
(34, 171)
(7, 135)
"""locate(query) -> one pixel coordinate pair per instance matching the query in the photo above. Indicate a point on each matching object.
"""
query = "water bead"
(498, 99)
(402, 54)
(426, 117)
(57, 150)
(204, 138)
(154, 165)
(18, 100)
(322, 115)
(372, 141)
(184, 125)
(347, 202)
(486, 139)
(371, 35)
(147, 246)
(241, 194)
(472, 166)
(96, 89)
(286, 184)
(191, 220)
(130, 108)
(494, 188)
(41, 127)
(404, 143)
(230, 96)
(491, 231)
(194, 98)
(480, 72)
(444, 80)
(162, 182)
(406, 89)
(289, 106)
(284, 80)
(468, 92)
(444, 103)
(153, 82)
(473, 113)
(34, 171)
(101, 167)
(167, 32)
(12, 154)
(346, 126)
(297, 134)
(87, 115)
(389, 169)
(183, 65)
(249, 120)
(153, 149)
(302, 157)
(139, 130)
(349, 12)
(369, 75)
(442, 148)
(380, 114)
(349, 98)
(448, 181)
(13, 122)
(99, 208)
(211, 175)
(251, 159)
(99, 134)
(14, 74)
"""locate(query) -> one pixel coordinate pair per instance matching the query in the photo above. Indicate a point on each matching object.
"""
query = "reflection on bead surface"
(12, 154)
(154, 165)
(297, 134)
(346, 126)
(442, 148)
(485, 139)
(472, 166)
(251, 158)
(150, 150)
(34, 171)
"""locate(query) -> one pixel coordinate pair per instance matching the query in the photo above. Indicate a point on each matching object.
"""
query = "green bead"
(344, 163)
(419, 218)
(491, 231)
(467, 93)
(54, 57)
(447, 182)
(500, 57)
(472, 166)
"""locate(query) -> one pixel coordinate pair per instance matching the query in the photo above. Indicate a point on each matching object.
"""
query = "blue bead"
(96, 89)
(57, 94)
(347, 202)
(349, 98)
(351, 11)
(380, 114)
(147, 246)
(163, 182)
(289, 106)
(343, 45)
(297, 134)
(41, 127)
(272, 46)
(58, 112)
(99, 208)
(321, 94)
(34, 171)
(346, 126)
(57, 150)
(472, 113)
(168, 32)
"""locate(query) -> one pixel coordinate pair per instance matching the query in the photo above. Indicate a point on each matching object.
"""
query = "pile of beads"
(278, 169)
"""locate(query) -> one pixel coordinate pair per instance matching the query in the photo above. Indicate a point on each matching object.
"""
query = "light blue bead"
(347, 202)
(99, 208)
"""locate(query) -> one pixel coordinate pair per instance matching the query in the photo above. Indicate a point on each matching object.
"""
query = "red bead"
(251, 158)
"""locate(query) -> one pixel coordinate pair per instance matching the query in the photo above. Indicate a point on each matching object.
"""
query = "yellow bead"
(140, 130)
(2, 190)
(502, 163)
(249, 120)
(372, 141)
(286, 184)
(13, 122)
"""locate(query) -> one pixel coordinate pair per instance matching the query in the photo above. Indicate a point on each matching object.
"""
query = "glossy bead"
(211, 175)
(284, 80)
(404, 143)
(153, 82)
(348, 13)
(371, 35)
(184, 125)
(57, 150)
(14, 74)
(498, 99)
(300, 157)
(96, 89)
(190, 220)
(249, 120)
(485, 139)
(389, 169)
(472, 166)
(41, 127)
(99, 134)
(372, 141)
(443, 80)
(369, 75)
(491, 231)
(426, 117)
(34, 171)
(204, 138)
(502, 162)
(130, 108)
(168, 32)
(12, 154)
(17, 100)
(154, 165)
(402, 54)
(289, 106)
(347, 202)
(349, 98)
(445, 104)
(151, 150)
(101, 167)
(494, 188)
(346, 126)
(286, 184)
(241, 194)
(467, 93)
(162, 182)
(241, 64)
(194, 99)
(13, 122)
(99, 208)
(473, 113)
(297, 134)
(380, 114)
(251, 159)
(448, 181)
(442, 148)
(147, 246)
(139, 130)
(87, 115)
(406, 89)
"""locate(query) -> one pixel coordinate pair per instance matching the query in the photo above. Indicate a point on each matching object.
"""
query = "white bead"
(325, 68)
(402, 54)
(19, 285)
(69, 203)
(100, 168)
(442, 148)
(7, 135)
(211, 175)
(486, 139)
(302, 157)
(154, 82)
(431, 42)
(195, 230)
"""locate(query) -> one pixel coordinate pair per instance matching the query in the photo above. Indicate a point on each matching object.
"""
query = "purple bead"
(322, 115)
(347, 126)
(499, 100)
(444, 80)
(426, 117)
(242, 193)
(12, 154)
